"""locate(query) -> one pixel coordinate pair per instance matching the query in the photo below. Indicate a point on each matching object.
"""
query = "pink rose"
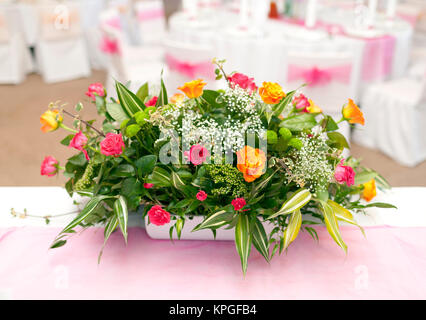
(158, 216)
(344, 174)
(301, 102)
(110, 46)
(148, 185)
(238, 203)
(112, 145)
(152, 102)
(242, 81)
(49, 166)
(201, 195)
(95, 88)
(78, 142)
(197, 154)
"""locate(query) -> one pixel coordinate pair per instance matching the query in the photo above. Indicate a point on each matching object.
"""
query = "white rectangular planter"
(162, 232)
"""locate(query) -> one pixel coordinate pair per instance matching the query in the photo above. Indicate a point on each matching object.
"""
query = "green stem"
(67, 128)
(127, 159)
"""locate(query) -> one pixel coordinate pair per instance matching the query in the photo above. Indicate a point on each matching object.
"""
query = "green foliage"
(227, 180)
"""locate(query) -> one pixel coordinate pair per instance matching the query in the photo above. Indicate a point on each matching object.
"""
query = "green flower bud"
(295, 143)
(285, 133)
(141, 117)
(132, 130)
(149, 110)
(124, 124)
(272, 137)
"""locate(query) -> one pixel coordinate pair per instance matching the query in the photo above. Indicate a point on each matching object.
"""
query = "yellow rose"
(313, 108)
(271, 93)
(369, 191)
(193, 89)
(352, 113)
(50, 120)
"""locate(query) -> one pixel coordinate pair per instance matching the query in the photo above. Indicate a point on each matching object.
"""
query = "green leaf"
(128, 100)
(109, 229)
(88, 210)
(66, 141)
(120, 209)
(58, 244)
(177, 181)
(299, 122)
(146, 164)
(160, 177)
(116, 111)
(210, 96)
(344, 214)
(298, 199)
(78, 160)
(179, 226)
(215, 220)
(339, 139)
(279, 108)
(292, 229)
(381, 205)
(262, 184)
(260, 240)
(332, 226)
(243, 239)
(364, 177)
(123, 170)
(330, 124)
(162, 96)
(143, 91)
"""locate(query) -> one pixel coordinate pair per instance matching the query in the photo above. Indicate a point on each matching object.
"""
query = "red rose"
(148, 185)
(95, 88)
(158, 216)
(78, 142)
(201, 195)
(49, 166)
(238, 203)
(112, 145)
(243, 82)
(152, 102)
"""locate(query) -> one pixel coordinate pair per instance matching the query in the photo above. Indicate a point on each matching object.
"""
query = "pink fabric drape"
(315, 76)
(389, 263)
(189, 69)
(151, 14)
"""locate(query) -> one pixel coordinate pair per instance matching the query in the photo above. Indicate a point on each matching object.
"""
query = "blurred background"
(373, 51)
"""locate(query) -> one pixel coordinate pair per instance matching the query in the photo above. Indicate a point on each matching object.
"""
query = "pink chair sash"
(189, 69)
(315, 76)
(150, 14)
(109, 46)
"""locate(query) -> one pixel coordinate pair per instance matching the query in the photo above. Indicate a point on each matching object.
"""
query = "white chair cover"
(395, 114)
(186, 63)
(151, 20)
(15, 60)
(61, 49)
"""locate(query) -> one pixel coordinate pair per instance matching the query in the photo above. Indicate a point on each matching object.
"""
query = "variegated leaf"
(177, 181)
(243, 239)
(344, 214)
(215, 220)
(332, 226)
(292, 229)
(128, 100)
(299, 199)
(120, 209)
(109, 229)
(260, 240)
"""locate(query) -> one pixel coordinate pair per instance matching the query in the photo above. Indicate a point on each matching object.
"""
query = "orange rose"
(271, 93)
(177, 98)
(313, 108)
(50, 120)
(369, 190)
(193, 89)
(251, 162)
(352, 113)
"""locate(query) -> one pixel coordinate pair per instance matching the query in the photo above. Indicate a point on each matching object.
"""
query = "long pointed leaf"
(292, 229)
(162, 97)
(332, 226)
(299, 199)
(120, 209)
(109, 229)
(243, 239)
(128, 100)
(215, 220)
(344, 214)
(260, 240)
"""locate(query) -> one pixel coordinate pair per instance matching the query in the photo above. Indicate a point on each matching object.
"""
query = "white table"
(41, 201)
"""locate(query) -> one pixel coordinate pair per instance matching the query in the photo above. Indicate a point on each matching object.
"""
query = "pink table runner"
(389, 264)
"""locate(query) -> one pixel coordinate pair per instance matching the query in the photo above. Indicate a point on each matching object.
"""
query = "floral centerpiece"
(239, 157)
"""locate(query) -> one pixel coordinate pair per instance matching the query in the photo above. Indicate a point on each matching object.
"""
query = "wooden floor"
(24, 146)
